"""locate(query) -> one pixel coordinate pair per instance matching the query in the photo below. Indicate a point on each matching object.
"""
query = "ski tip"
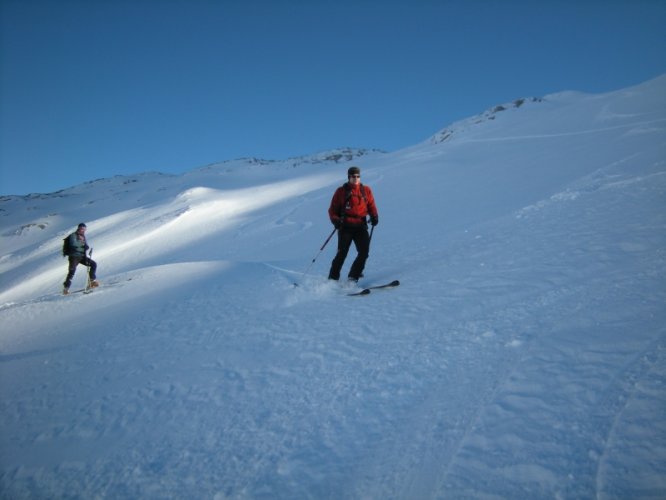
(365, 291)
(395, 283)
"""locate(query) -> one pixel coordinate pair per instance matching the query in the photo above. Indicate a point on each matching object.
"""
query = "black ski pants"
(346, 235)
(74, 262)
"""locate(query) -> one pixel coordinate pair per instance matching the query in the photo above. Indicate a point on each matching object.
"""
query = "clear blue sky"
(92, 89)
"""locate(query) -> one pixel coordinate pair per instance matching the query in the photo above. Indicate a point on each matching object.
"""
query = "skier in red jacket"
(351, 204)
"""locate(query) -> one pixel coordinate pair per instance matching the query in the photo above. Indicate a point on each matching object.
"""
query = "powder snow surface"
(523, 355)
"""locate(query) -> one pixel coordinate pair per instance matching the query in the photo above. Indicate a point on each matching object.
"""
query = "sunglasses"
(356, 176)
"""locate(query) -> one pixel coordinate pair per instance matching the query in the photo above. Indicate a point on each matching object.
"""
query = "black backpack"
(66, 248)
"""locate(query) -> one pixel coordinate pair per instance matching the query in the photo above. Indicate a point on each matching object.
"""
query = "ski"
(392, 284)
(85, 291)
(367, 289)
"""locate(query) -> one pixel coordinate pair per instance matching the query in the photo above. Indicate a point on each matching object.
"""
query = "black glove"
(374, 220)
(337, 223)
(86, 247)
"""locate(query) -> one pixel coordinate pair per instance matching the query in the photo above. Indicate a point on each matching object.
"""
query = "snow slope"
(523, 356)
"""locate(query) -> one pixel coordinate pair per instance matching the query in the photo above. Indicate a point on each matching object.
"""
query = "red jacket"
(353, 207)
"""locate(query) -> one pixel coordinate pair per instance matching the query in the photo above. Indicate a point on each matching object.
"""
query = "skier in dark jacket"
(351, 204)
(77, 248)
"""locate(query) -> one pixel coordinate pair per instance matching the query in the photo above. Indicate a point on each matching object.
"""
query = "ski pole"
(89, 282)
(326, 242)
(318, 253)
(372, 229)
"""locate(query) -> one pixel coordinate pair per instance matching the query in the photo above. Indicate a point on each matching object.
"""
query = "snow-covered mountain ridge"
(522, 356)
(490, 114)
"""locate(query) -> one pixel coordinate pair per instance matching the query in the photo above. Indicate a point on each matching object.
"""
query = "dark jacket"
(77, 245)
